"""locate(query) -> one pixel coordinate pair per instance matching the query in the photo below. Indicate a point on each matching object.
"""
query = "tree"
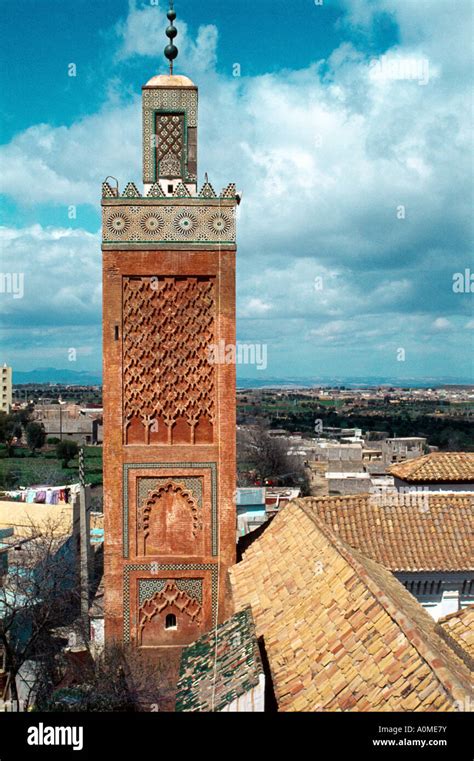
(23, 416)
(265, 455)
(268, 458)
(10, 430)
(39, 611)
(122, 678)
(38, 593)
(66, 450)
(35, 436)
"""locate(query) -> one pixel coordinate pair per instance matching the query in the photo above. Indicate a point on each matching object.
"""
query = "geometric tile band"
(147, 588)
(155, 567)
(128, 467)
(173, 223)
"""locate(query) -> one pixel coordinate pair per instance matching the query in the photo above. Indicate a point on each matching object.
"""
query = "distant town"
(330, 431)
(393, 459)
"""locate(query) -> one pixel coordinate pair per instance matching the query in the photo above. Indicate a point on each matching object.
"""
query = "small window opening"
(170, 189)
(116, 332)
(170, 622)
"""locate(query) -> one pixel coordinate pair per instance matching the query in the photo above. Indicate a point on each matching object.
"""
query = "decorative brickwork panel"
(170, 144)
(169, 518)
(169, 385)
(176, 605)
(153, 591)
(191, 483)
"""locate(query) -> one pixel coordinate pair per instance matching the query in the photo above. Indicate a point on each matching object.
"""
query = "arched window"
(170, 622)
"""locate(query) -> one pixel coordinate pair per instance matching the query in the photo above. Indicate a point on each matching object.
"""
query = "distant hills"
(53, 375)
(88, 378)
(352, 382)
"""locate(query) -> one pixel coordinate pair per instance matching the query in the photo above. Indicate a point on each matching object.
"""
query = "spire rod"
(171, 51)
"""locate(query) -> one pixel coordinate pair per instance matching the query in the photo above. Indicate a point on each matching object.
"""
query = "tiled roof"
(239, 667)
(404, 532)
(340, 632)
(459, 627)
(437, 467)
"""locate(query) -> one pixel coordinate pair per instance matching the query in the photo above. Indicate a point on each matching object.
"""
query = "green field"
(269, 407)
(45, 468)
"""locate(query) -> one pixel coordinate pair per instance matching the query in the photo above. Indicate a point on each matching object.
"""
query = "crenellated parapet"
(156, 191)
(132, 218)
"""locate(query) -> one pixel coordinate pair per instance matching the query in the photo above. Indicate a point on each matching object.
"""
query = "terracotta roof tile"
(437, 467)
(458, 629)
(366, 645)
(404, 532)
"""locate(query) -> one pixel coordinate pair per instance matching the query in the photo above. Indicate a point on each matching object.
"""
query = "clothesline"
(49, 495)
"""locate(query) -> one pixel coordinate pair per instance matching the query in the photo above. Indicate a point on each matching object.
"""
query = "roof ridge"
(460, 651)
(412, 468)
(436, 661)
(455, 614)
(338, 497)
(342, 497)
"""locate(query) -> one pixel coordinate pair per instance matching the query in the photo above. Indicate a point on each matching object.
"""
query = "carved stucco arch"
(169, 597)
(152, 502)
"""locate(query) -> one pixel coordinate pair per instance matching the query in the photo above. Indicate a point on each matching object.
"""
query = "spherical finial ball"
(171, 14)
(171, 32)
(171, 52)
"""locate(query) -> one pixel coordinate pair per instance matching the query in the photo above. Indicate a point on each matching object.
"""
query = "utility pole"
(84, 539)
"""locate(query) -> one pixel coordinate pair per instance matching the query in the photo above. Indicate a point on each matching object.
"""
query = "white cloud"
(61, 271)
(65, 165)
(61, 301)
(141, 33)
(432, 26)
(255, 307)
(441, 323)
(324, 160)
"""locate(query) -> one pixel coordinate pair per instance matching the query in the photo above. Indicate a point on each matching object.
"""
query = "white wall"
(456, 487)
(252, 702)
(443, 594)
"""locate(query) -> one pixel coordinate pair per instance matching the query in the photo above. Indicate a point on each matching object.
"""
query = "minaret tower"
(169, 405)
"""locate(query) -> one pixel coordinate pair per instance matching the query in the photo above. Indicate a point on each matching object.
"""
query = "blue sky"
(357, 188)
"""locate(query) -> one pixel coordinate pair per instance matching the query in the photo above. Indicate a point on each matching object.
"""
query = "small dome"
(167, 80)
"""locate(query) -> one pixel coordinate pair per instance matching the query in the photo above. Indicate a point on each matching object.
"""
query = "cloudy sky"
(348, 131)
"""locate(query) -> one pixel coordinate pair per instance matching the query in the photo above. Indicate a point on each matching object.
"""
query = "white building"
(403, 448)
(339, 456)
(6, 389)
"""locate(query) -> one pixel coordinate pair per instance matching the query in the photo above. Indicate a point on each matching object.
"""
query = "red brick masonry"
(169, 507)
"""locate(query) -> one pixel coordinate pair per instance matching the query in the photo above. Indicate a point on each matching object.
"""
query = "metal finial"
(171, 51)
